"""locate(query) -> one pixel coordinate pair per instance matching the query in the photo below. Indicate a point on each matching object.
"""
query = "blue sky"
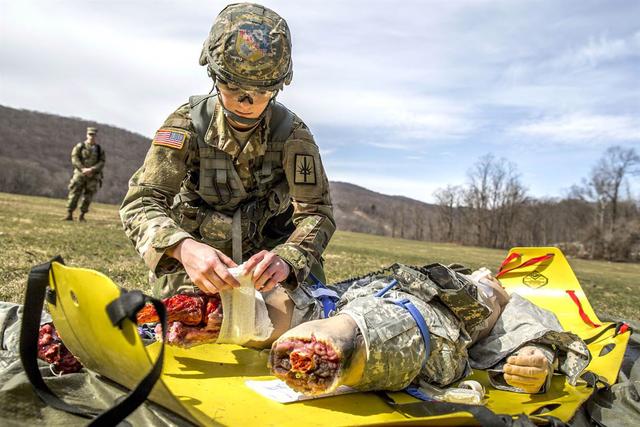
(403, 97)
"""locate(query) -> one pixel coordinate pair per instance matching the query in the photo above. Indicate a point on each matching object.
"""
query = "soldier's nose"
(245, 97)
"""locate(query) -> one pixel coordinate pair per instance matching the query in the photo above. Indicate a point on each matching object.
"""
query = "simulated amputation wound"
(317, 357)
(192, 319)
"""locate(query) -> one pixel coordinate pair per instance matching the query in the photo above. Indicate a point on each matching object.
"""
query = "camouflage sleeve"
(313, 213)
(146, 209)
(101, 161)
(76, 161)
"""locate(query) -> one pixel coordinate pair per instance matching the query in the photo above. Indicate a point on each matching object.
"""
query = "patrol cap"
(249, 45)
(92, 131)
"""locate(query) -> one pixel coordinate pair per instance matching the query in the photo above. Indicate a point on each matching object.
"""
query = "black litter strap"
(482, 414)
(614, 325)
(593, 380)
(37, 284)
(124, 307)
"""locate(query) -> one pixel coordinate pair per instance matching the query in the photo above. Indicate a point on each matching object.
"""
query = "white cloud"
(602, 49)
(412, 77)
(578, 59)
(591, 73)
(579, 128)
(326, 152)
(409, 115)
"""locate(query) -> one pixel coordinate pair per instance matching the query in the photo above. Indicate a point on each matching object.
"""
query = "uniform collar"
(220, 136)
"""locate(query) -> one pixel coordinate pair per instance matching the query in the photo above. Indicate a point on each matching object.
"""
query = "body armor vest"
(218, 183)
(214, 192)
(89, 157)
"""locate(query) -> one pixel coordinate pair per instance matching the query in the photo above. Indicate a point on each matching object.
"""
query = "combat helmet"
(249, 45)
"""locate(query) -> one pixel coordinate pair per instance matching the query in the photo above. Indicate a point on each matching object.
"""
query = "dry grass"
(31, 233)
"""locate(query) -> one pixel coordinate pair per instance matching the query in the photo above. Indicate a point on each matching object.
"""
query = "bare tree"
(612, 169)
(418, 222)
(603, 188)
(449, 199)
(494, 197)
(477, 197)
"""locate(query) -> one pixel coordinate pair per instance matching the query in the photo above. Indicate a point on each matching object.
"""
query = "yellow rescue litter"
(207, 384)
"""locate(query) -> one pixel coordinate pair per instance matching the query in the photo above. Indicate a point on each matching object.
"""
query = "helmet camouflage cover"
(249, 45)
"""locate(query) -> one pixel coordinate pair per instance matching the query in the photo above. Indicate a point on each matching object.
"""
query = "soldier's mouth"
(241, 113)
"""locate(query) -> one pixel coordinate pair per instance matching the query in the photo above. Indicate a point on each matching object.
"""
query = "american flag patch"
(170, 138)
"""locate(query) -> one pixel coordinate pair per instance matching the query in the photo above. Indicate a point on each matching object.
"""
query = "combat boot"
(69, 216)
(81, 217)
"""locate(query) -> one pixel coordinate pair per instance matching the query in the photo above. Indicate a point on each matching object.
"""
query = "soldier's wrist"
(176, 251)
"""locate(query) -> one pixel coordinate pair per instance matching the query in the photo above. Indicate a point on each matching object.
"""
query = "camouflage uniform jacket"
(182, 162)
(85, 155)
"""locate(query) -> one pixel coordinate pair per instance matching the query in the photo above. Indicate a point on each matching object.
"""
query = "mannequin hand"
(528, 369)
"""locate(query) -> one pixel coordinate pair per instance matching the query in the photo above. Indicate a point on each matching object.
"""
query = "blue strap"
(384, 290)
(426, 337)
(422, 325)
(414, 391)
(417, 316)
(326, 296)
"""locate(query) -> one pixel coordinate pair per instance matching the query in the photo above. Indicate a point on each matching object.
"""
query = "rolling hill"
(35, 160)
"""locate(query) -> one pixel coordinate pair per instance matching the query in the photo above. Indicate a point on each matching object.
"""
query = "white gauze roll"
(245, 316)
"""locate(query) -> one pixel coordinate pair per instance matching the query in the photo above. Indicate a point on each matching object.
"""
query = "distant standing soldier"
(88, 161)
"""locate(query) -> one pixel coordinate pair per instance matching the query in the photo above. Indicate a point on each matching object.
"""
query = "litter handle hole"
(74, 298)
(545, 409)
(607, 349)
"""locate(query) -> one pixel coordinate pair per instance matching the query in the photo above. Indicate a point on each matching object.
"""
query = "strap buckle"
(328, 297)
(125, 307)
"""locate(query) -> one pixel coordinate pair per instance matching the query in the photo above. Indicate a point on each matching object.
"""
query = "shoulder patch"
(172, 138)
(305, 170)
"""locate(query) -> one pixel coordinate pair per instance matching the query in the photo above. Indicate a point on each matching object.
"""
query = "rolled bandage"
(472, 385)
(245, 313)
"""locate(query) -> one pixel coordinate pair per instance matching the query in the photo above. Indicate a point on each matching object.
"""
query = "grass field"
(31, 232)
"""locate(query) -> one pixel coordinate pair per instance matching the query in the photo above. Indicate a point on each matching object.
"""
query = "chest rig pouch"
(460, 295)
(217, 189)
(89, 156)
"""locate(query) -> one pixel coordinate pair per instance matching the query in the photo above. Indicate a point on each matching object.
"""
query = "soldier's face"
(245, 103)
(91, 138)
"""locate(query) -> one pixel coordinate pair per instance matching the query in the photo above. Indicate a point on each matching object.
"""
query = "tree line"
(598, 218)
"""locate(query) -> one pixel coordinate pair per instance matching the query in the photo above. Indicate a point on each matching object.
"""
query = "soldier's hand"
(267, 269)
(87, 171)
(207, 267)
(528, 369)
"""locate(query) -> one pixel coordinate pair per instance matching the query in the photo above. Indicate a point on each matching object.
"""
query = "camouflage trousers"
(83, 187)
(396, 350)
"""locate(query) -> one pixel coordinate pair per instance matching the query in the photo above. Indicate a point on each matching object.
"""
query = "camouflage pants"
(395, 347)
(81, 187)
